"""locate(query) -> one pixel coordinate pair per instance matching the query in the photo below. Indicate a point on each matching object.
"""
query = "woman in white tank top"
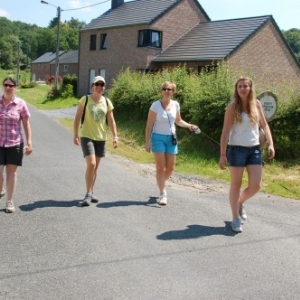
(242, 119)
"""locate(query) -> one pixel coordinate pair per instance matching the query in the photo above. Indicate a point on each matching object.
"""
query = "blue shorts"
(163, 143)
(239, 156)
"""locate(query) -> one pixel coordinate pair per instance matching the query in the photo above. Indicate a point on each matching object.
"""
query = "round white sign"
(269, 103)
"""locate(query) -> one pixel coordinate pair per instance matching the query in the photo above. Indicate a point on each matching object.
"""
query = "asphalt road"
(127, 246)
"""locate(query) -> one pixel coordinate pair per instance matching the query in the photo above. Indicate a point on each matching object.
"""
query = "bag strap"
(168, 118)
(84, 108)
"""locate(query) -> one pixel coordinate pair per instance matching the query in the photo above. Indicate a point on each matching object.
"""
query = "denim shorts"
(163, 143)
(239, 156)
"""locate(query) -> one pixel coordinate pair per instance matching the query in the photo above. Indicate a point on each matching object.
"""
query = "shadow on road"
(123, 203)
(49, 203)
(196, 231)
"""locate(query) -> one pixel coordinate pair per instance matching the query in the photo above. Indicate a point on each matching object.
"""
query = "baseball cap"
(98, 78)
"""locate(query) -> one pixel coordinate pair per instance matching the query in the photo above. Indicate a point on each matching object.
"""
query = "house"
(45, 65)
(41, 67)
(68, 63)
(148, 35)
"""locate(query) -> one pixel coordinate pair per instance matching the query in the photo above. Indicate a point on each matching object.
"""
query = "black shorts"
(12, 155)
(91, 147)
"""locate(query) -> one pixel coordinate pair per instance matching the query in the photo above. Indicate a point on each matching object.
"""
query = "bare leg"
(98, 159)
(90, 172)
(236, 176)
(11, 181)
(1, 178)
(170, 165)
(254, 182)
(160, 162)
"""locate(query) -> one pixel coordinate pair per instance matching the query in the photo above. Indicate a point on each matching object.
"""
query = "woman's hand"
(76, 140)
(28, 149)
(147, 147)
(223, 162)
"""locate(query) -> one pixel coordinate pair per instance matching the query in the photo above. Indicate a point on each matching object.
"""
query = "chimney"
(116, 3)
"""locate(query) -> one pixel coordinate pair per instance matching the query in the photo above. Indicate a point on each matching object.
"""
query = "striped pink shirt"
(11, 122)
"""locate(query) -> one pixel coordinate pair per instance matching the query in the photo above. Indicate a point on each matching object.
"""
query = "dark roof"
(212, 40)
(47, 57)
(135, 13)
(70, 57)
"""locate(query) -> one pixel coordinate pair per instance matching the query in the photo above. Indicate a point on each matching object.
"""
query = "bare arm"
(27, 131)
(148, 130)
(113, 127)
(76, 123)
(227, 125)
(180, 122)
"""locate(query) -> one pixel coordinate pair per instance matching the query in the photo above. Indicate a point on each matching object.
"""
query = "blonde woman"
(242, 119)
(160, 135)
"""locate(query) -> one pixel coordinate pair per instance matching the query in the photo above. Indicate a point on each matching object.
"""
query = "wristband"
(116, 138)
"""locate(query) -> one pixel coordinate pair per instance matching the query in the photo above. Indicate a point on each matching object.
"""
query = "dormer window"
(149, 38)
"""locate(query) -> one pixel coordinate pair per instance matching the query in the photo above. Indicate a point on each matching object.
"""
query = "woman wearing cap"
(92, 133)
(13, 114)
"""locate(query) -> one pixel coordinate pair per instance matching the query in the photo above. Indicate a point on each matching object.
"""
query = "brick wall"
(122, 50)
(266, 59)
(40, 70)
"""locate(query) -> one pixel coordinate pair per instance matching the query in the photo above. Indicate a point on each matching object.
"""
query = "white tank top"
(244, 134)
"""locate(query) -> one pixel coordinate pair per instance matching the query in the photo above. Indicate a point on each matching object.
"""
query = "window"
(149, 38)
(103, 41)
(93, 42)
(65, 68)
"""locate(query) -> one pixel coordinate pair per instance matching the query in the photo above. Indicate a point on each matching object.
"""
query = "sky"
(285, 13)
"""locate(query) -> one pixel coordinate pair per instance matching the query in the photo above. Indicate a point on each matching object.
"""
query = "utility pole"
(18, 64)
(57, 43)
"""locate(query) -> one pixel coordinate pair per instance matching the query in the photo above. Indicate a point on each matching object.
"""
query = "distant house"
(148, 35)
(45, 65)
(41, 67)
(68, 63)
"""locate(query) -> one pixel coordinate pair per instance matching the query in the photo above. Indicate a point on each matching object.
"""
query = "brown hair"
(251, 104)
(11, 79)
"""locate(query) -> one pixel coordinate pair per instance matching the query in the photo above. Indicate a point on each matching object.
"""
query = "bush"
(203, 99)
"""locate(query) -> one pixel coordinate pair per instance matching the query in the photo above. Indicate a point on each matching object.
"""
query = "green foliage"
(292, 36)
(286, 129)
(70, 80)
(68, 91)
(203, 99)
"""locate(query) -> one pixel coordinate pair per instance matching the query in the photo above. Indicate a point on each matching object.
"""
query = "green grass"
(197, 155)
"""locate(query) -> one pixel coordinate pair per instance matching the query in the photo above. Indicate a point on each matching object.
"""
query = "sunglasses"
(9, 85)
(100, 84)
(167, 89)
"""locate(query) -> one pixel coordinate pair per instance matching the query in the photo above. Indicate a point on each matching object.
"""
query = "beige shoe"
(162, 199)
(10, 207)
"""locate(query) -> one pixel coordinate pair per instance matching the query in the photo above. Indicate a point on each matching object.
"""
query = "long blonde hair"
(251, 103)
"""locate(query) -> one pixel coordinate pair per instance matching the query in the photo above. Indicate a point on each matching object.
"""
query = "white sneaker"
(242, 212)
(162, 199)
(10, 208)
(236, 225)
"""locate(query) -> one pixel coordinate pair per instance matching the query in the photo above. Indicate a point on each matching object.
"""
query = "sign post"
(268, 101)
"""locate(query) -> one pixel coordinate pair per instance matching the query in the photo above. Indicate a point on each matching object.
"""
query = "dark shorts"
(12, 155)
(163, 143)
(91, 147)
(239, 156)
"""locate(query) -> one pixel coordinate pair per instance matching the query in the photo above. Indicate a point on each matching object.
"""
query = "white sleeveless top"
(244, 134)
